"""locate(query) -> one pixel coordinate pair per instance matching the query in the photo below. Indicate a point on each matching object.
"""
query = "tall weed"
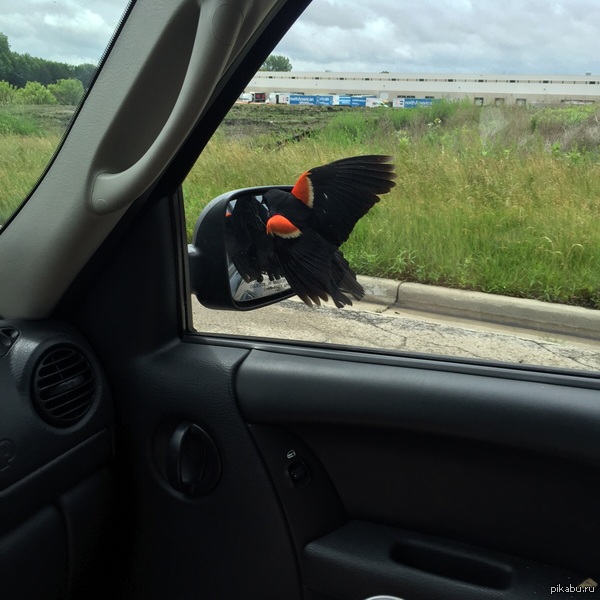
(481, 201)
(497, 199)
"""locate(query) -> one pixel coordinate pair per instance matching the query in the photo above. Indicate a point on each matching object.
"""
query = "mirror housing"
(214, 280)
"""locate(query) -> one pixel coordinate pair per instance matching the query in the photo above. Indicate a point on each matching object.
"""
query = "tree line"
(26, 79)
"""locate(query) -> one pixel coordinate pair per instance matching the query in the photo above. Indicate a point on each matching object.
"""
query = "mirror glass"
(252, 267)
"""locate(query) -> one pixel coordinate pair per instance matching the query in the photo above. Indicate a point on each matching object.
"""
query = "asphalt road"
(373, 325)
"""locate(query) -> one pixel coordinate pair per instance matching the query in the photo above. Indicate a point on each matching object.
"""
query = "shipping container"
(303, 99)
(278, 98)
(324, 100)
(332, 100)
(413, 102)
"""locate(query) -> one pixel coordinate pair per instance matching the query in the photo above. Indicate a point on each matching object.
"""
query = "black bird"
(298, 234)
(249, 247)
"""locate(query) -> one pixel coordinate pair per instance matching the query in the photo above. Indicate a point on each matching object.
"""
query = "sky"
(403, 36)
(69, 31)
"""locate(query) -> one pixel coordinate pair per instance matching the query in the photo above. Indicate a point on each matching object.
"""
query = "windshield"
(49, 52)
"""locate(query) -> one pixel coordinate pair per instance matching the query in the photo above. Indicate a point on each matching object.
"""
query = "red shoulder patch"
(279, 225)
(303, 189)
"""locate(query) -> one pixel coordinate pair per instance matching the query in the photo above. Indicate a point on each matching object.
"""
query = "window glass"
(489, 245)
(49, 52)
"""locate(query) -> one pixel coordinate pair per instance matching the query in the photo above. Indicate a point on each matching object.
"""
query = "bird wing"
(316, 269)
(342, 192)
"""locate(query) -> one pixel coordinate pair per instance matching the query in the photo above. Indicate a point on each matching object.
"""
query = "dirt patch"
(281, 121)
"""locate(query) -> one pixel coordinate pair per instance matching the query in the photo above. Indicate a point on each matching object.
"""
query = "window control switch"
(298, 473)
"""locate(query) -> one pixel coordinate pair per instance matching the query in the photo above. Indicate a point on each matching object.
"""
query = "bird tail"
(344, 280)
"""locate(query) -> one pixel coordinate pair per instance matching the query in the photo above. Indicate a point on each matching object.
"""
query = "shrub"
(7, 93)
(67, 91)
(34, 93)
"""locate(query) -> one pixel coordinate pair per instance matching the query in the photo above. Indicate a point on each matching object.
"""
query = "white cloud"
(481, 36)
(64, 31)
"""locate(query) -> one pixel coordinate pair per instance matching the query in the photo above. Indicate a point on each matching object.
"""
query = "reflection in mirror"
(254, 271)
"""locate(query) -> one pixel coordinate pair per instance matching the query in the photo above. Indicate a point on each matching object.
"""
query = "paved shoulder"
(399, 329)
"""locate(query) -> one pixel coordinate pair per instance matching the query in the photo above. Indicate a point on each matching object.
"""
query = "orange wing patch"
(303, 189)
(279, 225)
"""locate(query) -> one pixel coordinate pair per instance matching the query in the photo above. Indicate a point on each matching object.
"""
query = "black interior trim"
(309, 499)
(46, 483)
(508, 465)
(363, 559)
(519, 414)
(33, 558)
(450, 364)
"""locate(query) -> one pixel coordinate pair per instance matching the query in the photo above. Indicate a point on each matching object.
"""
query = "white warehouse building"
(480, 89)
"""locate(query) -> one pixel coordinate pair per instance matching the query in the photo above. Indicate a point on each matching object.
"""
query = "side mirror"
(246, 241)
(226, 266)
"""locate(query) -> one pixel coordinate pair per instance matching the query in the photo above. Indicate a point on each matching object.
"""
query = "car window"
(49, 53)
(488, 247)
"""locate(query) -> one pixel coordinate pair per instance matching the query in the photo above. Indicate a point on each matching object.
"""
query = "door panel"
(452, 483)
(479, 403)
(362, 558)
(217, 544)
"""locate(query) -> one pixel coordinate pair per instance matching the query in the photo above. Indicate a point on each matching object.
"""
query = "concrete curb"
(490, 308)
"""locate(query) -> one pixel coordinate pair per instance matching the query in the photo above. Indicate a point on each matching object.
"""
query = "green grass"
(500, 199)
(14, 124)
(28, 138)
(22, 160)
(526, 228)
(486, 199)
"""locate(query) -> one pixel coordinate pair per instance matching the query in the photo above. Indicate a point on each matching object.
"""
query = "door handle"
(193, 462)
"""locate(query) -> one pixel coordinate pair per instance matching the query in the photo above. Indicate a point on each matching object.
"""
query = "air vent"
(63, 386)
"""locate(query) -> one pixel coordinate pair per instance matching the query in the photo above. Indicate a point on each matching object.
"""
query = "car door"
(214, 466)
